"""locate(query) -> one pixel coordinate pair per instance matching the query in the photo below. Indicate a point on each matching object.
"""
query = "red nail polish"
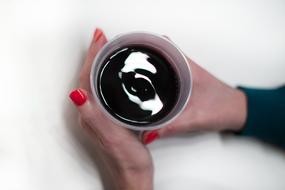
(78, 97)
(98, 33)
(151, 137)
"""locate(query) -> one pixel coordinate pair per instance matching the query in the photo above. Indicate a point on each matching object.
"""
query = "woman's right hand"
(213, 105)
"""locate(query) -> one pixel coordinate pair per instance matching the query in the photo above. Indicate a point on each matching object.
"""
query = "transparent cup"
(161, 45)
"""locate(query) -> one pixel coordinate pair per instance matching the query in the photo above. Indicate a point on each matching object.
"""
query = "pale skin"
(213, 106)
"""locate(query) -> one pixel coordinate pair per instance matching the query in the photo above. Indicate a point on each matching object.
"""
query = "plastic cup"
(161, 45)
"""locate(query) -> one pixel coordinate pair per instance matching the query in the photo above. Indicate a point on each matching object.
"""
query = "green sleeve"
(265, 115)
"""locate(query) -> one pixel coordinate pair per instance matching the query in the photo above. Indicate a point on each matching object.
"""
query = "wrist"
(238, 110)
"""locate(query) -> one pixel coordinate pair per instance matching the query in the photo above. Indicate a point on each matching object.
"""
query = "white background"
(42, 47)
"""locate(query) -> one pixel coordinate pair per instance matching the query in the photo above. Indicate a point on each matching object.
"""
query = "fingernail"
(150, 137)
(78, 97)
(97, 34)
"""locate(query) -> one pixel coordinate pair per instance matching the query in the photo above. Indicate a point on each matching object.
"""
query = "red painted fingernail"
(97, 34)
(78, 97)
(150, 137)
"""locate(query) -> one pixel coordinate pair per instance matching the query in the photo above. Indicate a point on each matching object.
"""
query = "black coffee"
(137, 85)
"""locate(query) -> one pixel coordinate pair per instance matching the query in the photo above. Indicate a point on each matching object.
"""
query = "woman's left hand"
(127, 159)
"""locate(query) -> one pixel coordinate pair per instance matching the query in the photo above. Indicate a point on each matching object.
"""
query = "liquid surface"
(137, 85)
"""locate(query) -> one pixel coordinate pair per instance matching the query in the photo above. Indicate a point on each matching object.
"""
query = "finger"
(89, 111)
(150, 136)
(172, 130)
(94, 136)
(92, 115)
(98, 41)
(179, 126)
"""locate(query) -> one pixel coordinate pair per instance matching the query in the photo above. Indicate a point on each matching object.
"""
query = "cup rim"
(108, 114)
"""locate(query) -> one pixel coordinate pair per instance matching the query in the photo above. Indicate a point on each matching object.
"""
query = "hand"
(127, 159)
(213, 106)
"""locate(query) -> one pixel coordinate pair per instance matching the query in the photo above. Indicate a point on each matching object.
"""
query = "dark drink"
(141, 81)
(137, 85)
